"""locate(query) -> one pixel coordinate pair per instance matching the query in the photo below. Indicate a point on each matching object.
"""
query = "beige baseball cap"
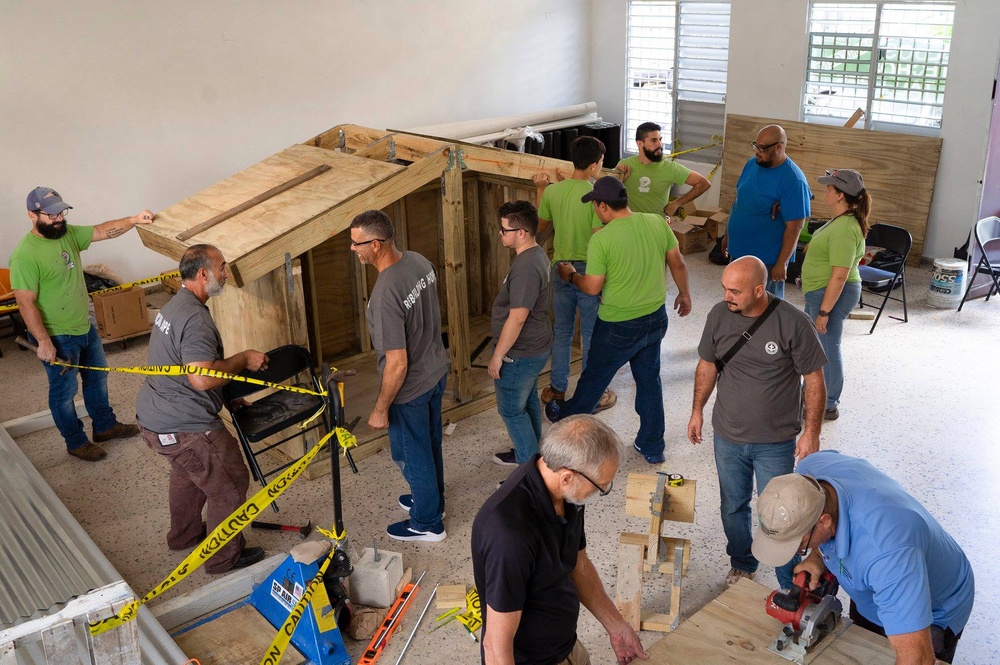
(787, 509)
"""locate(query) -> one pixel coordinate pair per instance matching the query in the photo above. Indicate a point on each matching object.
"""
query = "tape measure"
(673, 479)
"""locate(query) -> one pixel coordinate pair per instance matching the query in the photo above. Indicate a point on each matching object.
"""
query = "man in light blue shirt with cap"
(907, 578)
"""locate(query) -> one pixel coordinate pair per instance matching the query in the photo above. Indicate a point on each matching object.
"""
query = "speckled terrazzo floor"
(919, 404)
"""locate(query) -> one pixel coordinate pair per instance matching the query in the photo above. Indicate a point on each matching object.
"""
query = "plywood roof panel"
(270, 219)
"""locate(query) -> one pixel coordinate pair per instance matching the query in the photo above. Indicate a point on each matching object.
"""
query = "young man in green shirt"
(626, 265)
(47, 278)
(574, 223)
(648, 178)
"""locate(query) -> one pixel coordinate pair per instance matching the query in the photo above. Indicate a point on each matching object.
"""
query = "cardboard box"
(172, 284)
(692, 238)
(121, 313)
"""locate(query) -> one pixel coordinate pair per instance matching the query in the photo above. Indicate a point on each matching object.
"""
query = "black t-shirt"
(522, 557)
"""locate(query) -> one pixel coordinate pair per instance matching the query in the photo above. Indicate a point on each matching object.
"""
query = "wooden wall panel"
(334, 298)
(494, 257)
(423, 226)
(899, 169)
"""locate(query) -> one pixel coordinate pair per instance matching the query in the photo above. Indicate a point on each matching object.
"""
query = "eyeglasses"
(504, 231)
(601, 490)
(802, 551)
(58, 215)
(762, 148)
(366, 242)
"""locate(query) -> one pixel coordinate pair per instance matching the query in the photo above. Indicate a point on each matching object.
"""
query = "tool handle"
(32, 347)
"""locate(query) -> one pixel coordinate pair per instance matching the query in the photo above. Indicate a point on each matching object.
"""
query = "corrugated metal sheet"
(47, 559)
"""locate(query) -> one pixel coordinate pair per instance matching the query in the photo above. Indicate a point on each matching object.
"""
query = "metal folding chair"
(878, 281)
(275, 412)
(987, 234)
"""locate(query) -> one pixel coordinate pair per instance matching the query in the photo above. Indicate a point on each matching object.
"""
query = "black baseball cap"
(606, 189)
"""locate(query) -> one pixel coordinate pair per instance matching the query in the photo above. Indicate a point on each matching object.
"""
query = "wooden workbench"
(734, 628)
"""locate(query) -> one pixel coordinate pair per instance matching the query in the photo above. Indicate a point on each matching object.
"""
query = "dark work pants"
(942, 639)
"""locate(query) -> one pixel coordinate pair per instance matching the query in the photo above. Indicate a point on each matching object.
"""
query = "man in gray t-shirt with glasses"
(757, 414)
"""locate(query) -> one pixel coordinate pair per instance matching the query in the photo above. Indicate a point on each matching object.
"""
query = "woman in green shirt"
(830, 279)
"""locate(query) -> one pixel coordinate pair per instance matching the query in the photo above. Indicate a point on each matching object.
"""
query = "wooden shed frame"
(269, 247)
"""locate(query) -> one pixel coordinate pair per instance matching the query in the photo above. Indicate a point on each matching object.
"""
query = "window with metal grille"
(890, 59)
(678, 53)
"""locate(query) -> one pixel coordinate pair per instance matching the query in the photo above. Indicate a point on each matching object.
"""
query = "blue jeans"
(79, 350)
(737, 464)
(636, 342)
(774, 287)
(833, 371)
(415, 446)
(566, 299)
(517, 402)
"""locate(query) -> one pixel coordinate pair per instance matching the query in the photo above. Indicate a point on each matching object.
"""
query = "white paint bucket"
(947, 283)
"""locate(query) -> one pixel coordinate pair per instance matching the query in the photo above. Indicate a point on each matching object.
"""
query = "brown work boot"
(88, 452)
(737, 574)
(608, 400)
(549, 394)
(119, 431)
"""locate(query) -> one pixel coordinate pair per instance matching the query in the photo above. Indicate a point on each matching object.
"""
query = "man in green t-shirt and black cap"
(625, 264)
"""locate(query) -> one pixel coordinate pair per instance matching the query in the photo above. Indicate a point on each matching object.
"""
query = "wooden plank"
(639, 488)
(377, 150)
(409, 147)
(735, 628)
(118, 646)
(628, 584)
(657, 622)
(899, 169)
(400, 221)
(311, 233)
(470, 198)
(449, 596)
(239, 636)
(255, 201)
(657, 506)
(38, 421)
(456, 281)
(214, 595)
(271, 220)
(59, 644)
(359, 278)
(7, 656)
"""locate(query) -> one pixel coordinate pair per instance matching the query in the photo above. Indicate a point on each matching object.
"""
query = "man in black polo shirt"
(529, 553)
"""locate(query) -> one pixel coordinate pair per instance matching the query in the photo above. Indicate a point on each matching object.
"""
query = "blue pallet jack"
(318, 633)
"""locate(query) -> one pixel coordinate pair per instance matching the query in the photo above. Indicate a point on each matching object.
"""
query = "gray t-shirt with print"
(526, 285)
(183, 333)
(403, 313)
(760, 392)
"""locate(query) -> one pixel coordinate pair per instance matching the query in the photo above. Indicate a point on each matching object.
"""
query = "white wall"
(125, 105)
(767, 51)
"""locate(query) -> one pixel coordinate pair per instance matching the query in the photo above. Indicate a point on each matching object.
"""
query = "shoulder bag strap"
(720, 364)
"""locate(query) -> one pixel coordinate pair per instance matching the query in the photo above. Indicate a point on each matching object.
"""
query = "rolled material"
(461, 130)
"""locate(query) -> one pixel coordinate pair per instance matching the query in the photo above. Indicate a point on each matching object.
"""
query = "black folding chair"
(986, 232)
(277, 411)
(876, 280)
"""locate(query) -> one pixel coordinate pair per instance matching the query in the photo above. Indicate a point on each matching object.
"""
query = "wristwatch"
(823, 312)
(571, 275)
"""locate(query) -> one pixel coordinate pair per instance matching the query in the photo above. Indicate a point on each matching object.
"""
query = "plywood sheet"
(239, 636)
(899, 169)
(267, 221)
(734, 628)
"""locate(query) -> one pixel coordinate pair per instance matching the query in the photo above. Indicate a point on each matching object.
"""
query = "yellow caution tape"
(185, 370)
(472, 618)
(716, 141)
(281, 640)
(222, 534)
(120, 287)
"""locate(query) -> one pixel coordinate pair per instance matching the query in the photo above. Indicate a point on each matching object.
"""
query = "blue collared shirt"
(900, 567)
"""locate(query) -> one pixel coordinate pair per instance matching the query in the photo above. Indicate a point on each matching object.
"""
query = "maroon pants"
(204, 467)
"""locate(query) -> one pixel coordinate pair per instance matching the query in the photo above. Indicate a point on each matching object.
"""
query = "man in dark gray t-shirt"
(404, 320)
(757, 413)
(179, 415)
(522, 332)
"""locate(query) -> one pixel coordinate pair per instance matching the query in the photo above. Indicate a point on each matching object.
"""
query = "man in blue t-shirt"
(907, 578)
(772, 204)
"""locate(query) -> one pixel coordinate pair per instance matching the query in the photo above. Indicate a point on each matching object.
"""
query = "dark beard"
(653, 156)
(52, 231)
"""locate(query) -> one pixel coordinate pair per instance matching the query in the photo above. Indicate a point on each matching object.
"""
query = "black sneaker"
(831, 414)
(406, 503)
(506, 459)
(249, 556)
